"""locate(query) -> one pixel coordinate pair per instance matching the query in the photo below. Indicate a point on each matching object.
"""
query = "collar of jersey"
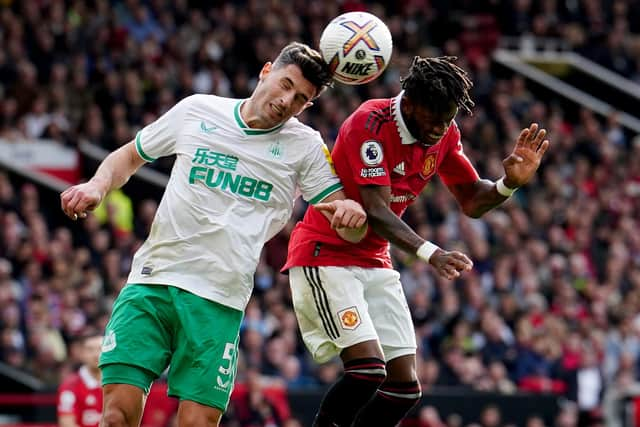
(89, 380)
(246, 129)
(405, 135)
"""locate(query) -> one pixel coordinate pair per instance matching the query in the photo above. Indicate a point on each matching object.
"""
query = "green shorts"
(155, 326)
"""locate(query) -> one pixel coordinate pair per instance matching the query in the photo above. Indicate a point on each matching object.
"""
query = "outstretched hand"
(523, 162)
(344, 213)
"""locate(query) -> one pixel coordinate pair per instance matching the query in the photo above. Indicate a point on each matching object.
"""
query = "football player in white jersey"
(239, 166)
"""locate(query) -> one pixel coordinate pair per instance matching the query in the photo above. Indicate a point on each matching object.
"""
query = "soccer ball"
(357, 46)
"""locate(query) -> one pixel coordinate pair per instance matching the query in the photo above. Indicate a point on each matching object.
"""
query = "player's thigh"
(203, 365)
(137, 343)
(389, 311)
(331, 309)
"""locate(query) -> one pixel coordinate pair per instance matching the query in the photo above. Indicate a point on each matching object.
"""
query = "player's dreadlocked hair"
(311, 63)
(436, 82)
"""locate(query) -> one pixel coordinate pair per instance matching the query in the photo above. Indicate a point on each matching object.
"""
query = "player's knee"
(114, 417)
(209, 417)
(402, 369)
(123, 405)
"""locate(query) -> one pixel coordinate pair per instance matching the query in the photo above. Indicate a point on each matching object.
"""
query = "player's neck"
(249, 117)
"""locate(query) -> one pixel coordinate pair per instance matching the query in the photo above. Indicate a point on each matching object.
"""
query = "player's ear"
(266, 69)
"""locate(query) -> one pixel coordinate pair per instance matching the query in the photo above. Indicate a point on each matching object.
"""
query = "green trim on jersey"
(144, 155)
(325, 193)
(246, 129)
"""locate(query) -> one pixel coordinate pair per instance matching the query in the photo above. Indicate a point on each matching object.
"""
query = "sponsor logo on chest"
(218, 170)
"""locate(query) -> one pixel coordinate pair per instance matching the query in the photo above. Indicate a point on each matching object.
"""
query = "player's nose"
(287, 100)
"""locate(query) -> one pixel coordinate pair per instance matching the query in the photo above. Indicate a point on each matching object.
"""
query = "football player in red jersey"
(80, 394)
(348, 299)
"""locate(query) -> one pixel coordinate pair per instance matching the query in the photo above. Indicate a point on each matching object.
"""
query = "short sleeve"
(158, 139)
(365, 153)
(318, 177)
(456, 168)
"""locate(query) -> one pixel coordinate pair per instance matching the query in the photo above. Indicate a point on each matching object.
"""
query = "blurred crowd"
(552, 304)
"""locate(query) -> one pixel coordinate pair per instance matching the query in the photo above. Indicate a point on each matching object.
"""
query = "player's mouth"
(276, 111)
(433, 138)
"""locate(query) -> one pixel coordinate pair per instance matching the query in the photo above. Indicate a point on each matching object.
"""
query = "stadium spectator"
(80, 394)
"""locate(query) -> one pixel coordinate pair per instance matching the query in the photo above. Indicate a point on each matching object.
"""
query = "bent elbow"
(472, 211)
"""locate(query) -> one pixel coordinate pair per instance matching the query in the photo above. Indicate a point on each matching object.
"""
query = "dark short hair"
(437, 82)
(310, 62)
(87, 333)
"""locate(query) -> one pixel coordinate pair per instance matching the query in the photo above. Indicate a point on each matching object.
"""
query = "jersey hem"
(218, 299)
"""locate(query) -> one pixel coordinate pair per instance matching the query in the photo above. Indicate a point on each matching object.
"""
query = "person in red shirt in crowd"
(80, 394)
(348, 299)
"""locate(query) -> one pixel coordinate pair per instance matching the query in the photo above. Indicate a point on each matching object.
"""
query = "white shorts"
(338, 307)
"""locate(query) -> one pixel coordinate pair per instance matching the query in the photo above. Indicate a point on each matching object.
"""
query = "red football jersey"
(80, 395)
(374, 147)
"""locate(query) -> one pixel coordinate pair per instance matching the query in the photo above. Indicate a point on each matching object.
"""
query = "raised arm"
(114, 171)
(519, 167)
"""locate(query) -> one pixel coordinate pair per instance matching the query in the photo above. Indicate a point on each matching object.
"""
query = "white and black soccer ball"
(357, 46)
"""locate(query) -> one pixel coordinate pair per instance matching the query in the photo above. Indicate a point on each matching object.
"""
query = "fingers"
(532, 137)
(524, 133)
(338, 215)
(325, 207)
(527, 135)
(542, 148)
(344, 213)
(74, 204)
(454, 264)
(451, 273)
(68, 200)
(461, 262)
(537, 140)
(361, 220)
(352, 219)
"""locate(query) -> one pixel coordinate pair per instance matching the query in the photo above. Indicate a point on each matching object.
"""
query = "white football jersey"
(231, 189)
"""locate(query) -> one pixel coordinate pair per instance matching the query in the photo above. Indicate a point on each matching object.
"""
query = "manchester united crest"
(349, 318)
(429, 166)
